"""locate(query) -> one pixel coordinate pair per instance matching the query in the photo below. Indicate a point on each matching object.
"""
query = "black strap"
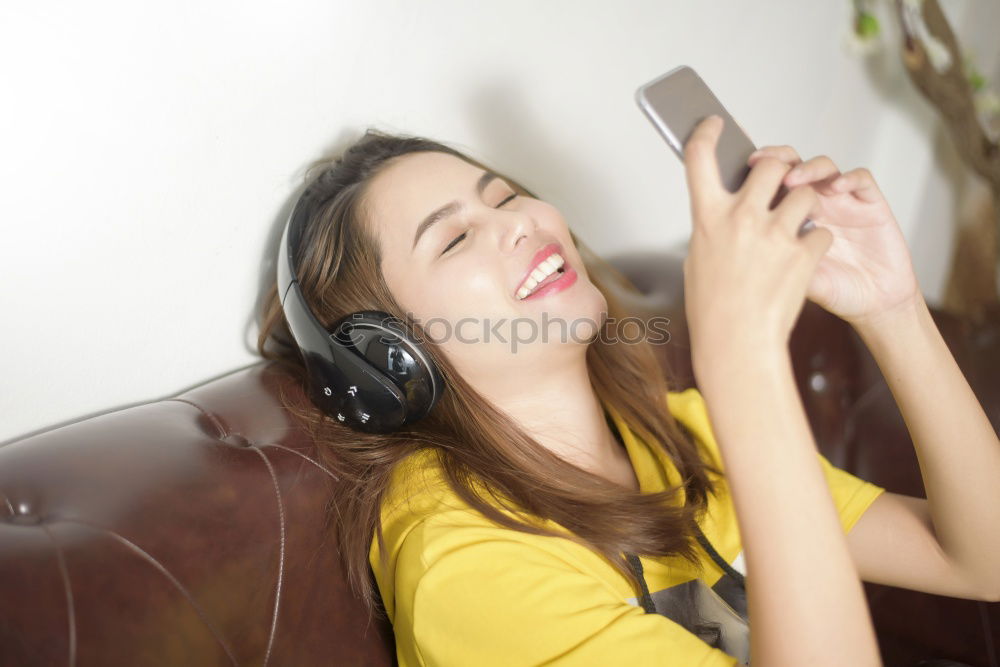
(720, 561)
(647, 600)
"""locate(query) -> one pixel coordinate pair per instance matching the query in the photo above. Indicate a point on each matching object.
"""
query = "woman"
(560, 504)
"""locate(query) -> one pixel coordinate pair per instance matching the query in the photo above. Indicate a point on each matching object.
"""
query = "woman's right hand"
(747, 269)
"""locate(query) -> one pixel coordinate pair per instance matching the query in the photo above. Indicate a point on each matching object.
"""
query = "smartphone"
(677, 101)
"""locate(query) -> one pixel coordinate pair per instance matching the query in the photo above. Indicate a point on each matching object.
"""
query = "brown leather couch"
(186, 531)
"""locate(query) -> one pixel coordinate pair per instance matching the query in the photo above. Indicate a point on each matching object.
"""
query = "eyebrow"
(450, 208)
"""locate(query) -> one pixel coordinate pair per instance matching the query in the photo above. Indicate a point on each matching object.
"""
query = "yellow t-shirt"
(462, 590)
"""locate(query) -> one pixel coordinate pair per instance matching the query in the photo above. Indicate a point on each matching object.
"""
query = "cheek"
(470, 289)
(547, 215)
(449, 294)
(550, 219)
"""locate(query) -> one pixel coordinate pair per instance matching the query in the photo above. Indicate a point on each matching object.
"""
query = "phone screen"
(677, 101)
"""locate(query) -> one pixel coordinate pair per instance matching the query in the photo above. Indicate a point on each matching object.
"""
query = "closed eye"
(461, 236)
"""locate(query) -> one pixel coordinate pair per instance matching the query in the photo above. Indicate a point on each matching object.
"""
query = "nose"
(513, 228)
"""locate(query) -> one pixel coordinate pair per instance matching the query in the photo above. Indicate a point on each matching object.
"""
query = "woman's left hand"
(867, 271)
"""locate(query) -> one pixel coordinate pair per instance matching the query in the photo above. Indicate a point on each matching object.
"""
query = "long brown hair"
(481, 450)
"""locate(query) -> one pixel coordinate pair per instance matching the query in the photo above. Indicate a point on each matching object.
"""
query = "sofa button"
(23, 516)
(817, 382)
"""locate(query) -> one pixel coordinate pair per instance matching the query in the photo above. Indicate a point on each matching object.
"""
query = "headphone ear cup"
(384, 344)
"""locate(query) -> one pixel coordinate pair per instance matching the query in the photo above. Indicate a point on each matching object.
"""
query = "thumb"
(820, 289)
(817, 240)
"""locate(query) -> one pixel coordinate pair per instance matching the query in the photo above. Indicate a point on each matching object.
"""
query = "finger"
(786, 154)
(800, 203)
(760, 188)
(823, 186)
(815, 169)
(701, 165)
(860, 183)
(817, 242)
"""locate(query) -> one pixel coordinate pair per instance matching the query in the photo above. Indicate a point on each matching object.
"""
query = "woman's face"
(459, 275)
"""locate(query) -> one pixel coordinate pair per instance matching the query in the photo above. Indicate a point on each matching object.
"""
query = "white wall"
(150, 149)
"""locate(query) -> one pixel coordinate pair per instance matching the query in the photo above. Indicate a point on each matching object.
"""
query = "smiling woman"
(563, 501)
(471, 256)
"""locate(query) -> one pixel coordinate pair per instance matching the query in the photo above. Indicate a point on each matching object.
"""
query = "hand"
(867, 271)
(747, 269)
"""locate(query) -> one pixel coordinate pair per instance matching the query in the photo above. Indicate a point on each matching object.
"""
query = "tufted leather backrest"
(189, 530)
(183, 531)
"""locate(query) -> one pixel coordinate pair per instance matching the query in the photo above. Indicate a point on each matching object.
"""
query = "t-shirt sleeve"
(485, 595)
(851, 494)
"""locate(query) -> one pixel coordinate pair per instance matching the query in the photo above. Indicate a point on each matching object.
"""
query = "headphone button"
(352, 406)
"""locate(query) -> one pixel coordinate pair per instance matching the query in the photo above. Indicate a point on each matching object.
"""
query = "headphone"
(366, 371)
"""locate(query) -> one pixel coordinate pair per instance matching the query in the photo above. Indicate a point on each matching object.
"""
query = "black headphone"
(366, 372)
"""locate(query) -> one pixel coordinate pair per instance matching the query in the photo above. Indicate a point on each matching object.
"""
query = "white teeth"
(540, 273)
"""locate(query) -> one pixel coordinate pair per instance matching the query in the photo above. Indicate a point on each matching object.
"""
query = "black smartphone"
(680, 99)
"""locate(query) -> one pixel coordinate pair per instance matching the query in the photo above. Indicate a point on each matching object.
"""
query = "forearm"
(806, 602)
(956, 446)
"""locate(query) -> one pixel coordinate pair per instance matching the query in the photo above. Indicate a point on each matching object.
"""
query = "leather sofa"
(187, 530)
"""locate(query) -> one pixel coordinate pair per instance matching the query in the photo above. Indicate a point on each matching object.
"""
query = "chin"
(587, 307)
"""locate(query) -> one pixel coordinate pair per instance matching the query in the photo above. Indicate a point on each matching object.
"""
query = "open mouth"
(548, 271)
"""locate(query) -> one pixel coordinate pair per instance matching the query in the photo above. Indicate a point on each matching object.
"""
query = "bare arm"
(806, 601)
(957, 448)
(746, 275)
(946, 544)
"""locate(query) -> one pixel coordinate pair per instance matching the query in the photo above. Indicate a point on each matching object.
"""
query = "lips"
(543, 253)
